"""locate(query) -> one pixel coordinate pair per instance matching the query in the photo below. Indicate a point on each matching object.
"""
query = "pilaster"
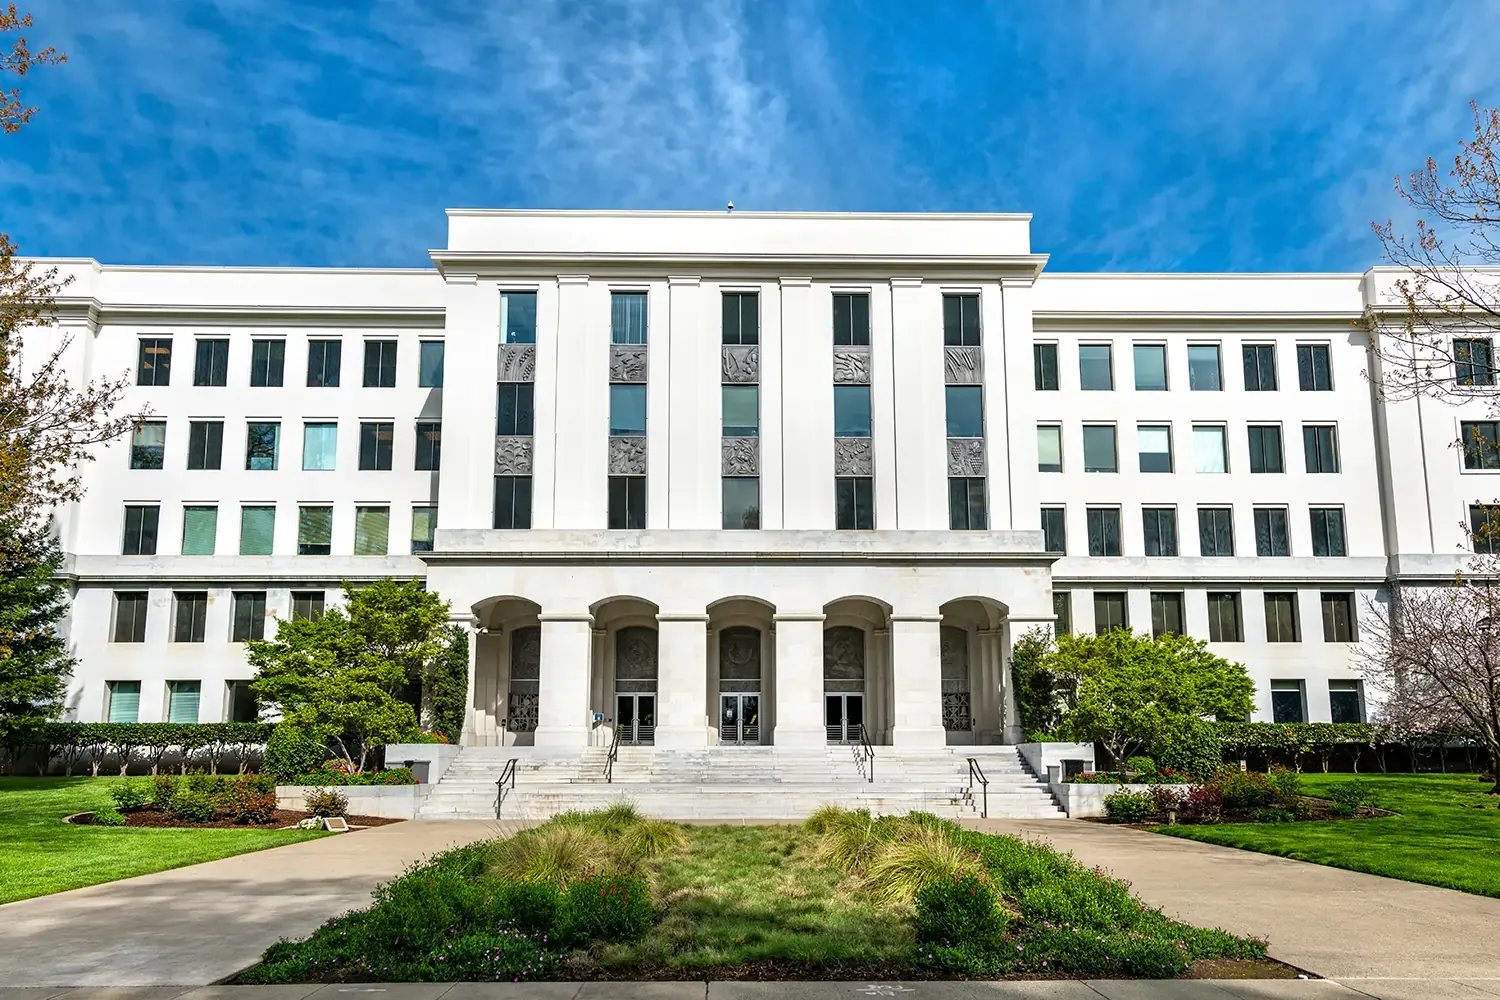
(921, 435)
(580, 402)
(471, 700)
(682, 681)
(799, 680)
(472, 326)
(916, 675)
(805, 473)
(562, 701)
(694, 422)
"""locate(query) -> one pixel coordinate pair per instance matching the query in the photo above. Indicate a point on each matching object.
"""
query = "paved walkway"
(202, 923)
(1330, 922)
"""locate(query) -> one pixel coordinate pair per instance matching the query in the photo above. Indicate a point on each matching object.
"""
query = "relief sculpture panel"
(962, 365)
(851, 365)
(853, 456)
(627, 363)
(741, 456)
(517, 363)
(966, 456)
(512, 456)
(741, 363)
(627, 456)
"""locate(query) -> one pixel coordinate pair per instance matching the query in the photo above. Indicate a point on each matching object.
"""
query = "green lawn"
(1446, 833)
(40, 854)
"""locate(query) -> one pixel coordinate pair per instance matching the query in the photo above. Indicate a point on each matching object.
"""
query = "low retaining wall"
(1080, 801)
(429, 761)
(388, 801)
(1041, 757)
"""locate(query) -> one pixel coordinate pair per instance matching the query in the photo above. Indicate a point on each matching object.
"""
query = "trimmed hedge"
(76, 744)
(1289, 743)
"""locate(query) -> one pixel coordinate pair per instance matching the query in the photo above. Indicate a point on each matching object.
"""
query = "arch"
(502, 610)
(972, 681)
(624, 610)
(741, 666)
(726, 604)
(975, 612)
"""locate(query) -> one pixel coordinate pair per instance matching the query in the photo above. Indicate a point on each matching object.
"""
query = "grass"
(40, 854)
(1445, 835)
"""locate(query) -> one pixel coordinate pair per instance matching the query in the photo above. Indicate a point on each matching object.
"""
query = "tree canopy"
(34, 660)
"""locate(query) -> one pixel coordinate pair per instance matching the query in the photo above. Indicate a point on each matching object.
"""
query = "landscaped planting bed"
(280, 819)
(612, 895)
(1236, 796)
(215, 800)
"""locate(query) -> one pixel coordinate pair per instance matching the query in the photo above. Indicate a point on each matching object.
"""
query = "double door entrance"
(739, 719)
(844, 716)
(635, 718)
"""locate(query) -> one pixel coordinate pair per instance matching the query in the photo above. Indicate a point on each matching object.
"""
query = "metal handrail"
(864, 755)
(507, 777)
(614, 753)
(975, 771)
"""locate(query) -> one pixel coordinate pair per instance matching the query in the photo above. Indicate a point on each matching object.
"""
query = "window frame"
(624, 337)
(1268, 551)
(1039, 362)
(862, 406)
(142, 537)
(1163, 601)
(1213, 511)
(1288, 686)
(963, 333)
(1057, 529)
(377, 445)
(1155, 514)
(267, 362)
(1135, 361)
(305, 514)
(737, 336)
(1326, 601)
(322, 345)
(1222, 432)
(133, 626)
(1469, 371)
(1109, 360)
(1293, 606)
(744, 390)
(194, 603)
(428, 511)
(1252, 351)
(1484, 529)
(970, 411)
(211, 367)
(859, 504)
(517, 333)
(854, 336)
(250, 443)
(425, 378)
(307, 454)
(746, 514)
(1216, 616)
(213, 535)
(152, 371)
(1057, 432)
(1104, 598)
(519, 418)
(148, 457)
(1104, 527)
(366, 518)
(259, 508)
(627, 503)
(962, 509)
(1141, 453)
(1218, 372)
(1062, 613)
(1321, 460)
(209, 444)
(518, 503)
(247, 616)
(1307, 377)
(1328, 515)
(1114, 441)
(383, 365)
(1355, 687)
(1257, 444)
(429, 453)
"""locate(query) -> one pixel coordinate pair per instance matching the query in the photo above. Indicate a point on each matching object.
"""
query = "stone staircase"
(734, 783)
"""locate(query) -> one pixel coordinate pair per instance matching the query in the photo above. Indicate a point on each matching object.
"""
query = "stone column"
(799, 681)
(471, 712)
(878, 684)
(599, 693)
(988, 700)
(917, 690)
(1010, 719)
(682, 681)
(562, 702)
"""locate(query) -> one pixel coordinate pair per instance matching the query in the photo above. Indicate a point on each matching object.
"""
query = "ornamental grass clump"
(553, 854)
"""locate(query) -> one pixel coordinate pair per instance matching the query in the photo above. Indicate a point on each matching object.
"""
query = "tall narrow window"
(965, 410)
(1208, 450)
(148, 444)
(315, 531)
(1314, 370)
(320, 445)
(1224, 622)
(249, 616)
(1215, 531)
(1096, 371)
(514, 409)
(376, 442)
(211, 366)
(257, 530)
(1109, 612)
(324, 359)
(1270, 532)
(741, 502)
(1166, 613)
(1480, 440)
(1288, 704)
(124, 697)
(854, 503)
(1260, 367)
(1281, 618)
(518, 317)
(741, 317)
(429, 446)
(1099, 448)
(242, 703)
(851, 411)
(1150, 367)
(627, 317)
(967, 508)
(1104, 531)
(130, 618)
(1328, 531)
(372, 531)
(308, 604)
(627, 502)
(200, 530)
(741, 405)
(262, 445)
(182, 700)
(1204, 374)
(1320, 444)
(430, 364)
(1474, 362)
(423, 528)
(1346, 701)
(190, 614)
(1054, 529)
(1160, 525)
(627, 409)
(1062, 609)
(1265, 448)
(1484, 528)
(155, 365)
(1048, 448)
(851, 320)
(1155, 445)
(140, 530)
(1044, 366)
(961, 320)
(267, 362)
(1338, 618)
(205, 444)
(512, 502)
(380, 364)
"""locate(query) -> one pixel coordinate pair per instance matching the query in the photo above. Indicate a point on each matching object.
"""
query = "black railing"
(507, 777)
(864, 755)
(612, 756)
(976, 773)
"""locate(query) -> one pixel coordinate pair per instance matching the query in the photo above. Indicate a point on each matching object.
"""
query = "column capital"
(906, 282)
(907, 619)
(572, 279)
(800, 616)
(466, 618)
(684, 279)
(682, 617)
(565, 616)
(796, 282)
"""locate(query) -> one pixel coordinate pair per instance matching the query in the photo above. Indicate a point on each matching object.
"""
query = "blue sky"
(1190, 136)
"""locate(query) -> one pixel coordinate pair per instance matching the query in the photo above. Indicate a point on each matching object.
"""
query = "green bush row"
(200, 798)
(89, 743)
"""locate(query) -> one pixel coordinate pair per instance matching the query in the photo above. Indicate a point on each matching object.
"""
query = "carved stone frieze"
(513, 456)
(966, 456)
(851, 365)
(627, 456)
(741, 363)
(844, 657)
(627, 363)
(962, 365)
(517, 363)
(741, 456)
(853, 456)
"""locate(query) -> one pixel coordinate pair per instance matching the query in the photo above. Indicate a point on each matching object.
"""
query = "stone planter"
(1080, 801)
(389, 801)
(429, 761)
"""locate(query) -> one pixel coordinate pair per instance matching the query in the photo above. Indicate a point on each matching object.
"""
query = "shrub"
(1164, 799)
(162, 788)
(130, 795)
(606, 908)
(1351, 796)
(961, 911)
(291, 751)
(1141, 767)
(338, 776)
(850, 840)
(191, 806)
(1203, 804)
(914, 857)
(653, 838)
(530, 907)
(1275, 815)
(1125, 806)
(324, 802)
(245, 805)
(1191, 747)
(553, 853)
(1243, 792)
(109, 816)
(1287, 786)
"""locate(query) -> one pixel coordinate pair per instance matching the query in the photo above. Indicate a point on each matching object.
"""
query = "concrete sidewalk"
(202, 923)
(1330, 922)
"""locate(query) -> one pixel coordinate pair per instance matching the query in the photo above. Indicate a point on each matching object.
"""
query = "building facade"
(749, 478)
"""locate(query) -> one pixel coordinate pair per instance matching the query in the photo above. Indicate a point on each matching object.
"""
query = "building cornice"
(97, 313)
(612, 213)
(1106, 321)
(740, 264)
(709, 558)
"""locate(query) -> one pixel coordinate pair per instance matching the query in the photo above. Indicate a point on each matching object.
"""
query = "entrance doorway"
(739, 719)
(635, 718)
(635, 685)
(844, 715)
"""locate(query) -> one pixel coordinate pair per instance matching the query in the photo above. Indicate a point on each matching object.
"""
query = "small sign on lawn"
(337, 824)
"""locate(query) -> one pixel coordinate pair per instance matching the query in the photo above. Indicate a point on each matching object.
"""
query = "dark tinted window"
(211, 366)
(851, 320)
(854, 503)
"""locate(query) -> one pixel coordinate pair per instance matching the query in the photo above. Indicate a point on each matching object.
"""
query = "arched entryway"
(856, 670)
(507, 672)
(626, 670)
(972, 653)
(741, 657)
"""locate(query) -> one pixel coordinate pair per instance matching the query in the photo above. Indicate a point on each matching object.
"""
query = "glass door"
(635, 717)
(843, 715)
(739, 719)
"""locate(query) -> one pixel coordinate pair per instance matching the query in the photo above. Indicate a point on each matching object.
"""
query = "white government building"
(748, 478)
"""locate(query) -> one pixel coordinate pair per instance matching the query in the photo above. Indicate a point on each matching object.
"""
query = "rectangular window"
(1265, 448)
(262, 446)
(430, 364)
(518, 317)
(1320, 446)
(1224, 620)
(1474, 362)
(1260, 367)
(627, 409)
(211, 366)
(182, 700)
(324, 360)
(205, 444)
(742, 413)
(148, 444)
(1096, 370)
(1109, 612)
(854, 503)
(429, 446)
(320, 445)
(1099, 448)
(130, 617)
(140, 530)
(1338, 618)
(314, 531)
(1346, 700)
(1328, 531)
(627, 317)
(965, 410)
(189, 610)
(1481, 444)
(1044, 366)
(1062, 609)
(1048, 448)
(308, 604)
(249, 616)
(1287, 702)
(627, 502)
(967, 510)
(512, 502)
(1104, 531)
(514, 409)
(741, 502)
(1484, 528)
(155, 362)
(372, 531)
(1208, 450)
(1160, 530)
(257, 530)
(1150, 367)
(1314, 372)
(242, 704)
(961, 320)
(423, 528)
(124, 700)
(376, 442)
(1203, 368)
(1215, 531)
(1281, 618)
(851, 411)
(1054, 529)
(851, 320)
(742, 318)
(200, 530)
(1271, 532)
(1155, 445)
(1166, 614)
(380, 364)
(267, 362)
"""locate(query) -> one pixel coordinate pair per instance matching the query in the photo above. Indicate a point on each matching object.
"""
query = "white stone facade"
(611, 382)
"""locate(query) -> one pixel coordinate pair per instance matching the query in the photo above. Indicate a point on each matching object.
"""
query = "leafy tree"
(1132, 692)
(447, 684)
(1040, 699)
(34, 660)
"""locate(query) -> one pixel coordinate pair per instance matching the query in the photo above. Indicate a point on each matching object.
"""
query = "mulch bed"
(150, 816)
(1319, 811)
